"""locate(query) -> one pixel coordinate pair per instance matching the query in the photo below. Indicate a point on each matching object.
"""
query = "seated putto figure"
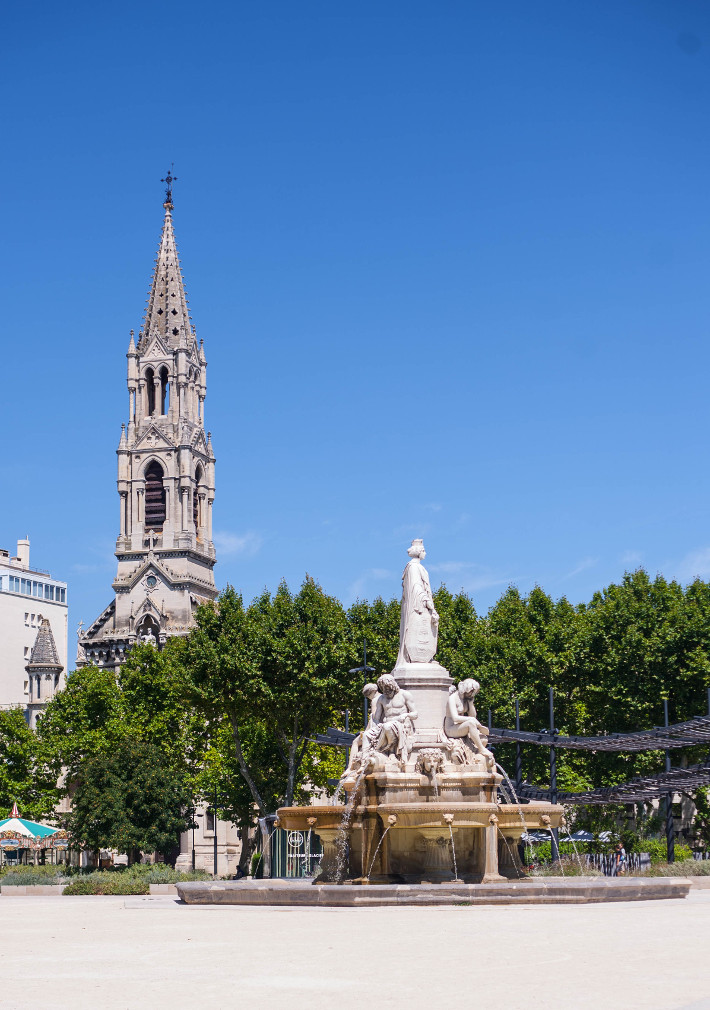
(461, 719)
(392, 727)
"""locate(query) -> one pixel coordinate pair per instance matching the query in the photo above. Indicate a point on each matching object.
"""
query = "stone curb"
(534, 892)
(44, 890)
(39, 890)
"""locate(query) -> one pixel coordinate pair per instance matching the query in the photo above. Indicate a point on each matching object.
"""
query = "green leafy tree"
(87, 717)
(273, 671)
(27, 777)
(129, 798)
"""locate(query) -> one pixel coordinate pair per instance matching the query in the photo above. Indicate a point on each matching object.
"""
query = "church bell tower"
(165, 476)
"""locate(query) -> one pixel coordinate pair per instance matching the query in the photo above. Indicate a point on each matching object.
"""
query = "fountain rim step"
(530, 890)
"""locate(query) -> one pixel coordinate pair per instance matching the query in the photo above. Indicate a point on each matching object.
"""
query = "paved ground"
(130, 953)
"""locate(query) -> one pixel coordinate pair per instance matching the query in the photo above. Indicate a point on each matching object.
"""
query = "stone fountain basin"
(427, 815)
(327, 817)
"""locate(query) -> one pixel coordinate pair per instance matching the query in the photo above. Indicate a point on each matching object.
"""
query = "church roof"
(167, 313)
(44, 651)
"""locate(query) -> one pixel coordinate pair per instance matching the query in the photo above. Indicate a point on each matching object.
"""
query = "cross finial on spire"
(169, 180)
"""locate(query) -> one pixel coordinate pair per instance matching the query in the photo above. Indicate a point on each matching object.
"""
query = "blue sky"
(450, 262)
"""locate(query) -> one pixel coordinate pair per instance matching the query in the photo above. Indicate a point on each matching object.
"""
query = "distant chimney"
(23, 552)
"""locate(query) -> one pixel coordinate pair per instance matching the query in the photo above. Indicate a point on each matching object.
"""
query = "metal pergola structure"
(691, 733)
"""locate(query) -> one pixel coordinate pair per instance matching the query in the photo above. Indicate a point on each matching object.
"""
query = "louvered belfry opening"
(196, 499)
(150, 391)
(154, 498)
(164, 391)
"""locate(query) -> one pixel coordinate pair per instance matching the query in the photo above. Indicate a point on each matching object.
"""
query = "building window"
(164, 391)
(150, 390)
(209, 822)
(154, 498)
(49, 592)
(27, 651)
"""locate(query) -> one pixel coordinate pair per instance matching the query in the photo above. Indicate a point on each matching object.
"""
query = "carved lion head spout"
(430, 761)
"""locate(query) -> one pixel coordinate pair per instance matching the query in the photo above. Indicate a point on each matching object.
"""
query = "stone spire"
(167, 313)
(44, 652)
(44, 672)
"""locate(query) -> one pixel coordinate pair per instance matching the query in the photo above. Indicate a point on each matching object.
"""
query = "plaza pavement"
(144, 953)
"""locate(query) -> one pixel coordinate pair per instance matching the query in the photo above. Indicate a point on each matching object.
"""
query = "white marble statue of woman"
(419, 623)
(461, 719)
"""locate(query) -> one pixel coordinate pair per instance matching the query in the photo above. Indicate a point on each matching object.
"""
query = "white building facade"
(28, 597)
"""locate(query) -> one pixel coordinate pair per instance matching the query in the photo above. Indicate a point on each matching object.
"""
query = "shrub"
(567, 867)
(656, 848)
(160, 873)
(30, 874)
(684, 868)
(108, 883)
(257, 865)
(541, 852)
(27, 875)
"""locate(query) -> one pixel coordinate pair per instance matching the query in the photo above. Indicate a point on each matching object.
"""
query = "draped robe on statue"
(419, 623)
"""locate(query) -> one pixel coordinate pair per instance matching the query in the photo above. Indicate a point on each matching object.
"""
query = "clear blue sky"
(450, 261)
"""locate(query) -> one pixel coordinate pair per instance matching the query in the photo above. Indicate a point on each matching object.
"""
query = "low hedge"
(682, 868)
(28, 875)
(107, 885)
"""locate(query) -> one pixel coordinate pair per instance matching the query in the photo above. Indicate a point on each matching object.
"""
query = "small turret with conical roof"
(44, 671)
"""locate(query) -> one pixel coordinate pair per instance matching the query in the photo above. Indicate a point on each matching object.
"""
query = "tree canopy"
(234, 706)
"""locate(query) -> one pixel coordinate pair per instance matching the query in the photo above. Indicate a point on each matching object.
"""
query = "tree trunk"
(291, 781)
(244, 769)
(248, 845)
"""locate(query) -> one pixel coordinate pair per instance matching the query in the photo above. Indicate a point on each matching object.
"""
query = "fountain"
(422, 760)
(422, 819)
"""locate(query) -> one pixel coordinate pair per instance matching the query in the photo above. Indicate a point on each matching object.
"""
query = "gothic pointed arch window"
(196, 498)
(150, 391)
(154, 497)
(164, 390)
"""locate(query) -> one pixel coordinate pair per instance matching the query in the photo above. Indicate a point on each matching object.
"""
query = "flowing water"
(453, 853)
(341, 840)
(576, 851)
(261, 854)
(552, 847)
(510, 852)
(513, 793)
(372, 861)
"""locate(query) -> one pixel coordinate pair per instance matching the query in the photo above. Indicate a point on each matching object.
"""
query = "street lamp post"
(193, 816)
(363, 669)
